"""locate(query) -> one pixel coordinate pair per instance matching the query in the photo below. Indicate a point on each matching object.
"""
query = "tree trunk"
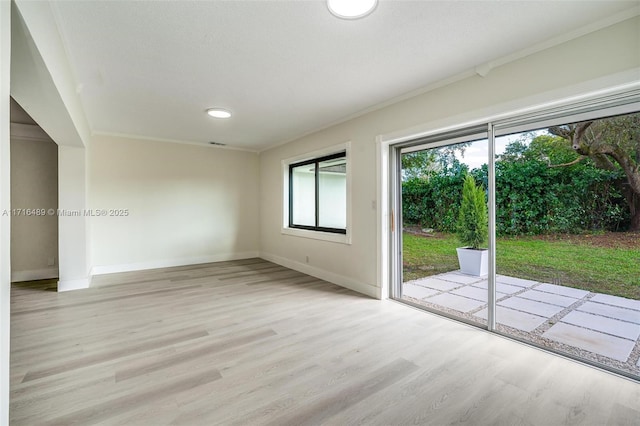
(634, 209)
(635, 222)
(603, 144)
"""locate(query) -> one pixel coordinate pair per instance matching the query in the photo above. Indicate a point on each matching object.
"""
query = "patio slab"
(500, 287)
(437, 284)
(617, 301)
(531, 306)
(515, 319)
(609, 311)
(593, 341)
(563, 291)
(604, 325)
(417, 292)
(515, 281)
(475, 293)
(459, 303)
(460, 278)
(626, 330)
(553, 299)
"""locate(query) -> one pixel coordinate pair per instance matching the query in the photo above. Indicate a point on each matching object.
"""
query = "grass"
(614, 271)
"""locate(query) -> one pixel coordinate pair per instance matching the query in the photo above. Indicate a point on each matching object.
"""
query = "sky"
(477, 154)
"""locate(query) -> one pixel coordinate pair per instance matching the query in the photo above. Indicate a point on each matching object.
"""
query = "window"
(318, 194)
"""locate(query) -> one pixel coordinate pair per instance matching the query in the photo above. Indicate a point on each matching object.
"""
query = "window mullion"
(317, 197)
(291, 195)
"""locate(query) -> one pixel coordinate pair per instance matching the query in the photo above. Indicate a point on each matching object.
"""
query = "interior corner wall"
(160, 204)
(594, 61)
(34, 187)
(72, 219)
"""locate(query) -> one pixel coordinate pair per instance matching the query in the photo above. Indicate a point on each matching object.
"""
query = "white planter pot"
(473, 262)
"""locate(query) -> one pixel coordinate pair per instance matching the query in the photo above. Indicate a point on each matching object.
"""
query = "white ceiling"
(284, 68)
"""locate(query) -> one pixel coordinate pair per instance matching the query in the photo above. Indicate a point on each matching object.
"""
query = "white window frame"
(313, 234)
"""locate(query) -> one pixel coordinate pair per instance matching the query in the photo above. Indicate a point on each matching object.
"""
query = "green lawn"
(614, 271)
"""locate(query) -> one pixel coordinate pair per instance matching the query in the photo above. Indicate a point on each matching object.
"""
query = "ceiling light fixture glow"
(218, 113)
(351, 9)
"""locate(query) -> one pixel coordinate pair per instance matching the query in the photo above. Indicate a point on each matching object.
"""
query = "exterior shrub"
(531, 198)
(472, 218)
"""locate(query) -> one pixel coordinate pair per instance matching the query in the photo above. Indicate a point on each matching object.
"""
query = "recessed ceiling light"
(351, 9)
(218, 113)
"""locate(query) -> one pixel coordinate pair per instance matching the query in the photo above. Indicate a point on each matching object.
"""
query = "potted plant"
(472, 229)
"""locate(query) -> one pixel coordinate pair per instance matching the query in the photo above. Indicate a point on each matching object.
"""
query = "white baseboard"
(342, 281)
(34, 274)
(68, 285)
(168, 263)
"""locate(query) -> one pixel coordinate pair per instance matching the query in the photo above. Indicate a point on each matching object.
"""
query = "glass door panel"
(568, 247)
(433, 190)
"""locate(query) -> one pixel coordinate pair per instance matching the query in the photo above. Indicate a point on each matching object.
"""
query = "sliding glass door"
(552, 202)
(435, 178)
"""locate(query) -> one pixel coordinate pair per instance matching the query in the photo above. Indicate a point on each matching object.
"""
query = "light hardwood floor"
(251, 343)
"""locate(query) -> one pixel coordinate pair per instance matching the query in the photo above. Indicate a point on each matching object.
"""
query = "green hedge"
(531, 198)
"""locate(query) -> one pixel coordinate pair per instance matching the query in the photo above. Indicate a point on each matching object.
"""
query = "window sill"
(318, 235)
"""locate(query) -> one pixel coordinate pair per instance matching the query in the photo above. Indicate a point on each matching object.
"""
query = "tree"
(427, 162)
(472, 220)
(418, 164)
(612, 143)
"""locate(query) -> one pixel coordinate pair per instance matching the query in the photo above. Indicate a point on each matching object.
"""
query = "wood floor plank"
(186, 356)
(251, 343)
(125, 403)
(332, 404)
(97, 358)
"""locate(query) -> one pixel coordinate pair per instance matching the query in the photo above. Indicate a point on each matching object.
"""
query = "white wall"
(5, 204)
(186, 204)
(34, 185)
(590, 62)
(72, 221)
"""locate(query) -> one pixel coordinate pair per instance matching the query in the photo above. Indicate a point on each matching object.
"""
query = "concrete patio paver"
(475, 293)
(553, 299)
(531, 306)
(500, 287)
(576, 293)
(626, 330)
(515, 281)
(617, 301)
(593, 341)
(460, 278)
(459, 303)
(417, 292)
(611, 312)
(439, 284)
(515, 319)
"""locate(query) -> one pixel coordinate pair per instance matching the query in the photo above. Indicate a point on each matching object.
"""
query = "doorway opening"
(34, 204)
